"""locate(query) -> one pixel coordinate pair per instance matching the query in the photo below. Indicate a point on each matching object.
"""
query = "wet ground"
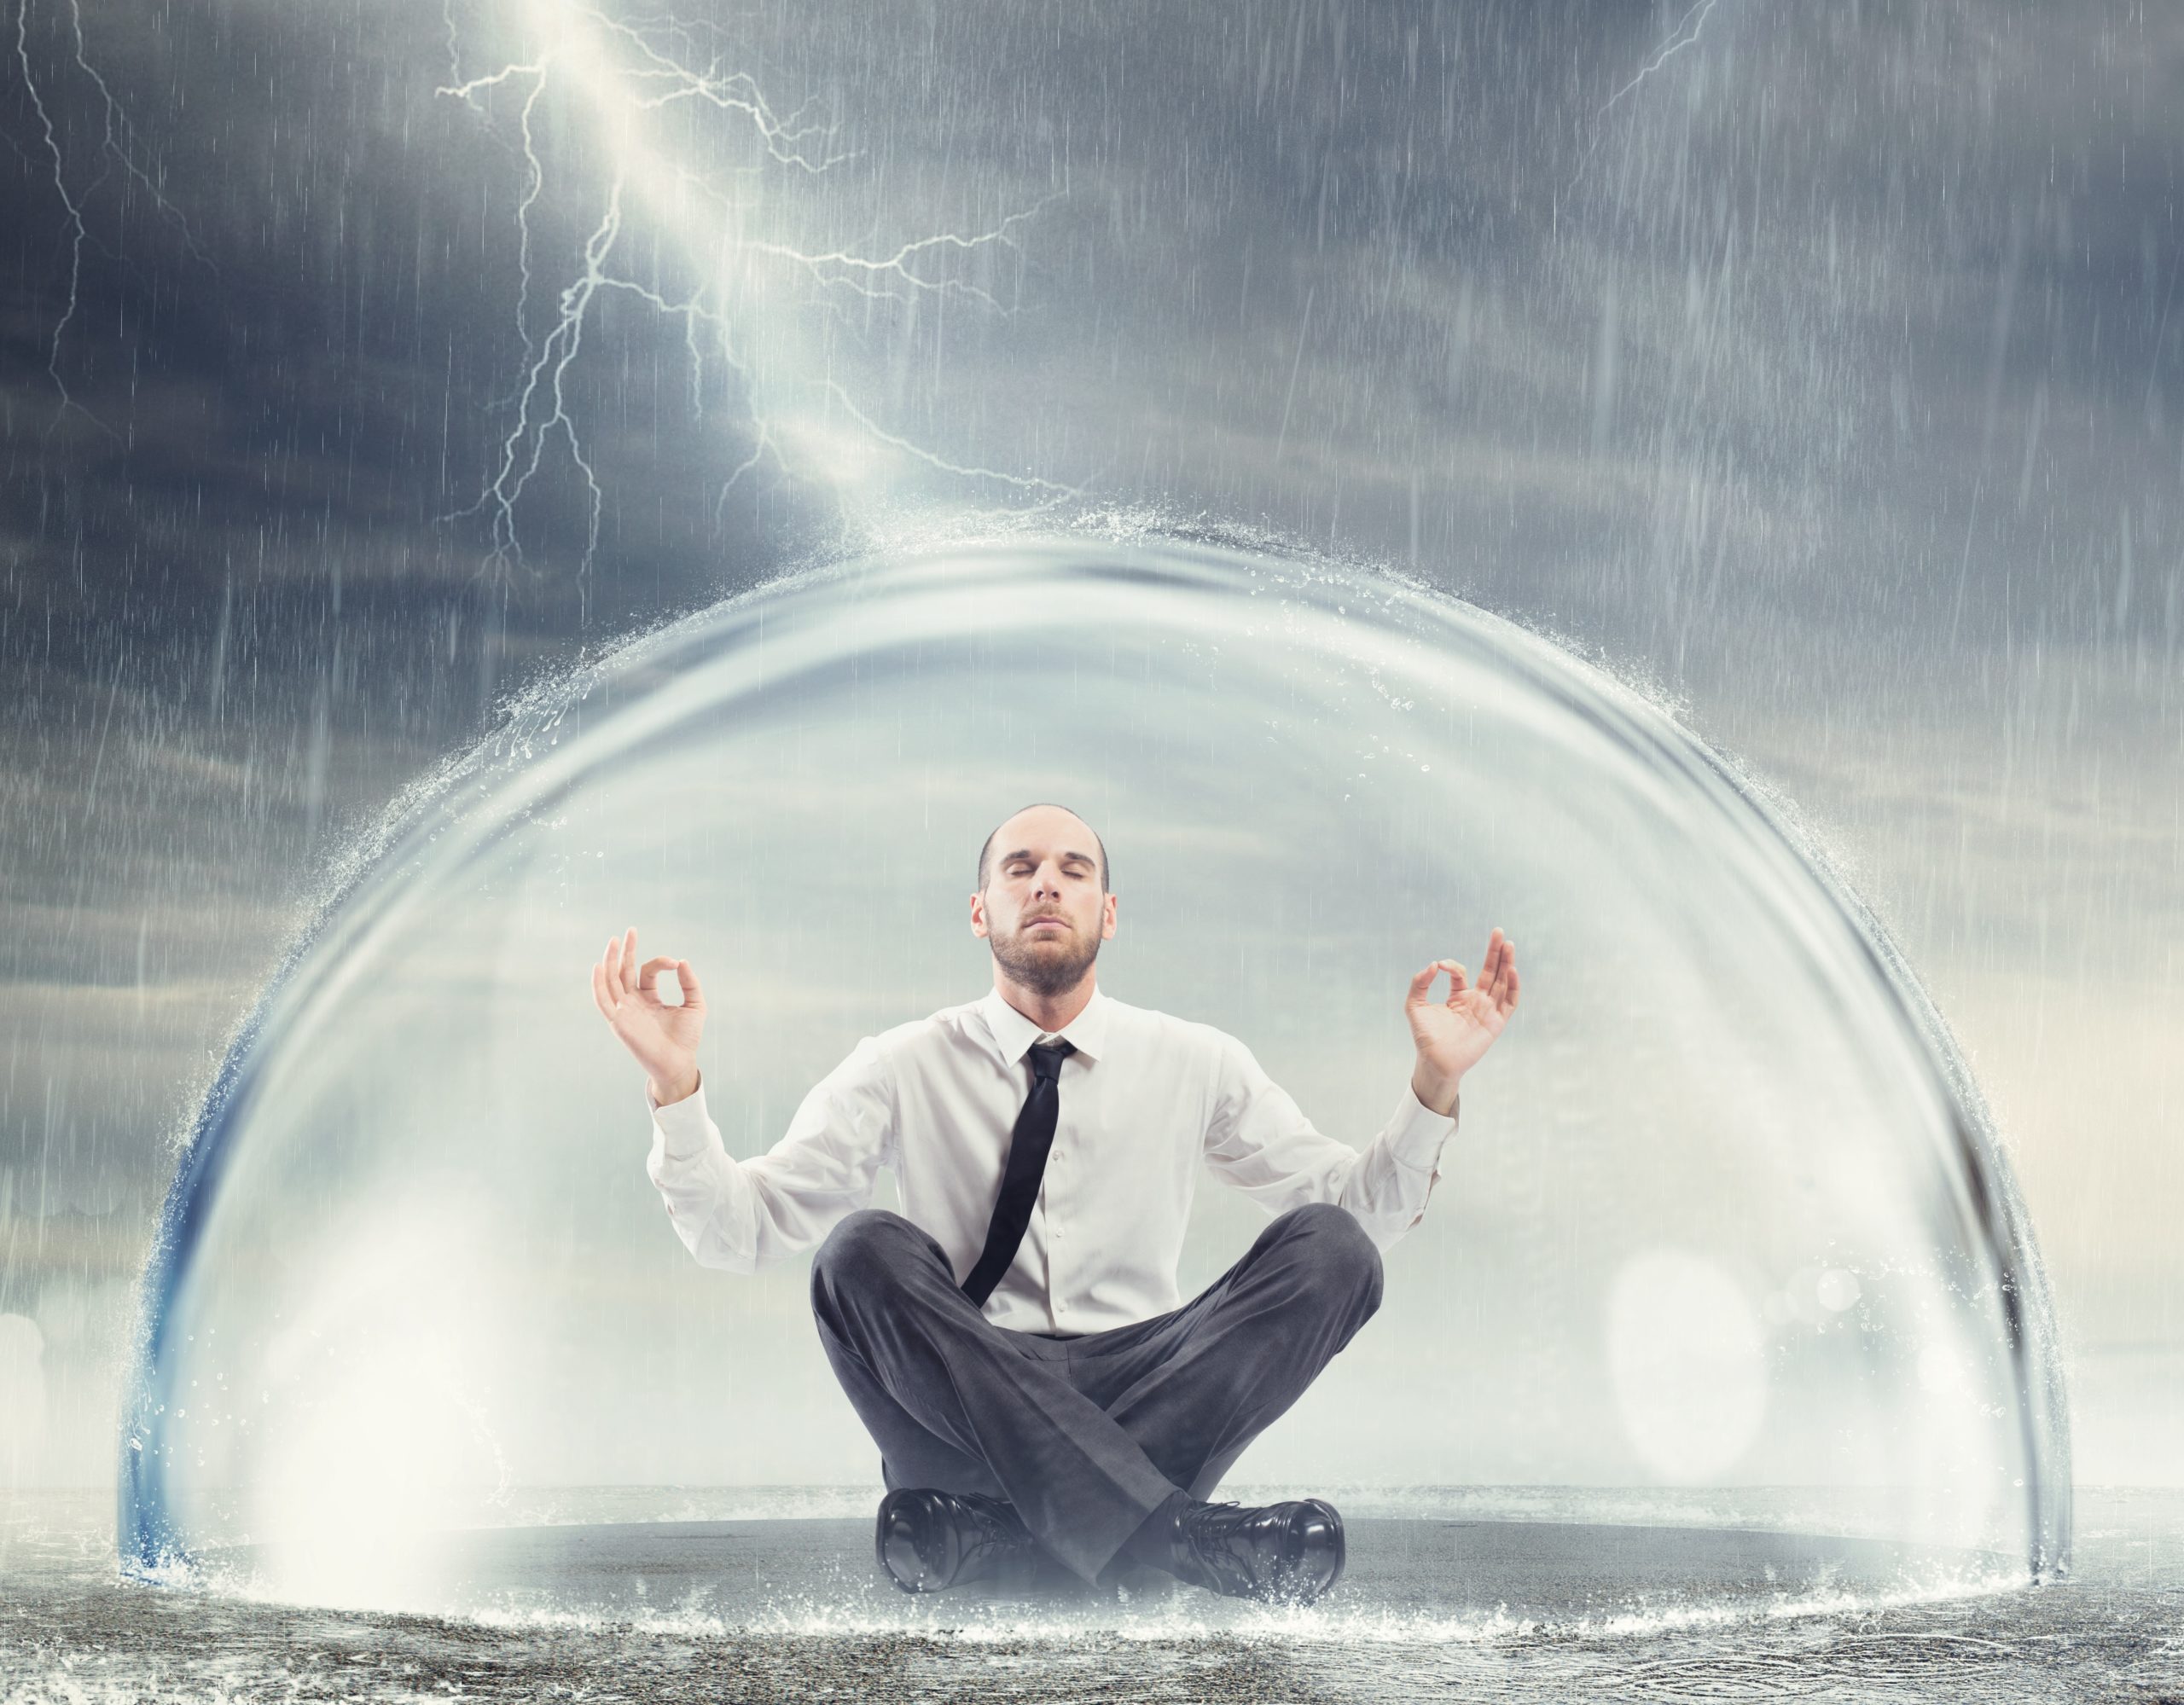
(1429, 1607)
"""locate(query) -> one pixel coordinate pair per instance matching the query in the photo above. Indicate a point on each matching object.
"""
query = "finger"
(1458, 980)
(692, 994)
(1509, 989)
(611, 960)
(600, 997)
(1422, 984)
(648, 977)
(629, 960)
(1497, 959)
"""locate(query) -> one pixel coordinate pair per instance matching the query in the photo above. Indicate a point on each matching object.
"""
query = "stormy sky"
(1822, 369)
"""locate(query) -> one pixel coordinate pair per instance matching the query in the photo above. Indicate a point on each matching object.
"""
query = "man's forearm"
(1435, 1092)
(709, 1199)
(681, 1089)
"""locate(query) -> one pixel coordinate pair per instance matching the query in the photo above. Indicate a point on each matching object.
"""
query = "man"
(1014, 1340)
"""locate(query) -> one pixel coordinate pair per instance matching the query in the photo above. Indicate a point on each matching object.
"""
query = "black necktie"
(1020, 1179)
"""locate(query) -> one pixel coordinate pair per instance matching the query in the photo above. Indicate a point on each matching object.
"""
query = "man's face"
(1043, 911)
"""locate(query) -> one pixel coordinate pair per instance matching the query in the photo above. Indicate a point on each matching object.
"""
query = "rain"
(1699, 485)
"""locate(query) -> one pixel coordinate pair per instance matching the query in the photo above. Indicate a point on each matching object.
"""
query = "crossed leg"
(1086, 1437)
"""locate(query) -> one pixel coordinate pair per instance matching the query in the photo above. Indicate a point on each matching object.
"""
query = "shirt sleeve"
(741, 1215)
(1258, 1141)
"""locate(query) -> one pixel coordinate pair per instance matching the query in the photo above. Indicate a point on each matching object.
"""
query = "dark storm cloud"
(258, 340)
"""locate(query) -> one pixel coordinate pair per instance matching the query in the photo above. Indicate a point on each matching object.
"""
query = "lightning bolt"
(119, 132)
(932, 460)
(1682, 37)
(621, 79)
(77, 236)
(117, 144)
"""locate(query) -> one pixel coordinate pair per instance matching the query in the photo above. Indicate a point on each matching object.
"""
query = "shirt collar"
(1014, 1033)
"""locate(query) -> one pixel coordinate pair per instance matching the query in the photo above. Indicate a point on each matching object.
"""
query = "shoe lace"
(994, 1527)
(1207, 1527)
(1209, 1516)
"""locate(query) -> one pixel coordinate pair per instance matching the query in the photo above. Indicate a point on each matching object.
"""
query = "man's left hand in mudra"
(1014, 1339)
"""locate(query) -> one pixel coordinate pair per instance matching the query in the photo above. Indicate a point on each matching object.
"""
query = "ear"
(979, 915)
(1107, 922)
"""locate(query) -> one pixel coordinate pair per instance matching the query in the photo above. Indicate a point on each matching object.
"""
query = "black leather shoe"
(928, 1540)
(1280, 1554)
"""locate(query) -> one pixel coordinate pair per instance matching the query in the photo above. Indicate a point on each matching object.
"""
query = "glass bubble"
(1722, 1213)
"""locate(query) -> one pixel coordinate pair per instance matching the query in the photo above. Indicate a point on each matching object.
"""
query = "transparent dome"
(1720, 1238)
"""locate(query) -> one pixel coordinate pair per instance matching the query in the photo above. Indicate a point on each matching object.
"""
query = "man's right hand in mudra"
(999, 1335)
(662, 1037)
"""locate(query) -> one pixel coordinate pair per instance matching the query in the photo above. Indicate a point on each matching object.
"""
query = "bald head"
(1043, 906)
(1042, 828)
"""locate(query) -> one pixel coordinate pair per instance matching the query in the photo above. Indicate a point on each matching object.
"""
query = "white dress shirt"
(1145, 1100)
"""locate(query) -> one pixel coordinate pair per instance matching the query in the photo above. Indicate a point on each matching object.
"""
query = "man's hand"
(663, 1038)
(1451, 1036)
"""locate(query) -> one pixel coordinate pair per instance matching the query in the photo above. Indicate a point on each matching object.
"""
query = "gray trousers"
(1086, 1436)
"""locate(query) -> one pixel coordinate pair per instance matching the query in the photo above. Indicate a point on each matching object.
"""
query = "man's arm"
(739, 1214)
(1259, 1140)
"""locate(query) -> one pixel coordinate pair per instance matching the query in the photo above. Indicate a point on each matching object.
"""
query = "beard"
(1045, 968)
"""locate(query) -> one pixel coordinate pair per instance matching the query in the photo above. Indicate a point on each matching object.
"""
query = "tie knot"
(1047, 1058)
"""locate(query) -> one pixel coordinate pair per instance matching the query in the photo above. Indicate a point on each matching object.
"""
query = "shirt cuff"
(1417, 1132)
(685, 1128)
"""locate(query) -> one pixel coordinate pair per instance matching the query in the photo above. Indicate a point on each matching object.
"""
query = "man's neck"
(1048, 1011)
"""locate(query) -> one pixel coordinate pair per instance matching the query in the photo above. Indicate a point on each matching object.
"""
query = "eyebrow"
(1026, 852)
